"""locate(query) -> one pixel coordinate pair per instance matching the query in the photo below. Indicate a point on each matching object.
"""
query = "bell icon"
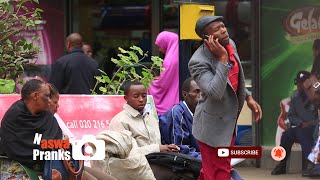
(278, 153)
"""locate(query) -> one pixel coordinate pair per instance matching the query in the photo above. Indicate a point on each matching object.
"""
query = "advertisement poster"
(83, 114)
(288, 29)
(51, 42)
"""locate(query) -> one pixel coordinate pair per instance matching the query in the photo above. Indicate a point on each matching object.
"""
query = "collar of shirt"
(133, 112)
(229, 49)
(76, 50)
(187, 107)
(145, 111)
(232, 58)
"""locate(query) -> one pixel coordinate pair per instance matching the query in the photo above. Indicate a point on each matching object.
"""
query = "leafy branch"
(127, 63)
(15, 50)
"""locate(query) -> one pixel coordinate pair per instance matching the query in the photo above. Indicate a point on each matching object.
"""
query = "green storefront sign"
(288, 29)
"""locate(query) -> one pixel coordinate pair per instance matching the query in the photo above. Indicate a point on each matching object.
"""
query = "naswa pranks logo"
(88, 148)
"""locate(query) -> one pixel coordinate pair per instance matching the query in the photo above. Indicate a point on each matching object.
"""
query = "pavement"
(252, 173)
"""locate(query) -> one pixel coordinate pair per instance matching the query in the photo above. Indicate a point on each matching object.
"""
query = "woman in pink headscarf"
(165, 89)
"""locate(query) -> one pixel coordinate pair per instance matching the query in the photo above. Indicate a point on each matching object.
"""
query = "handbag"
(181, 165)
(311, 88)
(64, 170)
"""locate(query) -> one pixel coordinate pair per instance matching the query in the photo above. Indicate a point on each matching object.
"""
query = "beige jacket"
(124, 160)
(144, 128)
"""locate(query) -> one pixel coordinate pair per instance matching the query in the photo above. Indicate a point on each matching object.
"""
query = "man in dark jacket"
(74, 73)
(303, 117)
(176, 124)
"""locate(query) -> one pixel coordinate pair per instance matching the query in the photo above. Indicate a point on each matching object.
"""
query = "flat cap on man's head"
(204, 21)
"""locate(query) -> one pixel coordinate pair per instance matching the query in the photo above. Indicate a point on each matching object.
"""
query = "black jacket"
(18, 129)
(74, 73)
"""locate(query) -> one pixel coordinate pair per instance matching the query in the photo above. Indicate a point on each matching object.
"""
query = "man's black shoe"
(306, 173)
(314, 174)
(278, 170)
(309, 170)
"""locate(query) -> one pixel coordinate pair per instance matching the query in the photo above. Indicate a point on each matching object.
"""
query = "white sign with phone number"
(88, 124)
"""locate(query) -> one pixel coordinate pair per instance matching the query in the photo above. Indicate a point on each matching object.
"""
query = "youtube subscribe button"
(223, 152)
(253, 152)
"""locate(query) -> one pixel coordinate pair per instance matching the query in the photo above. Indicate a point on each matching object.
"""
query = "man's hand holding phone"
(216, 48)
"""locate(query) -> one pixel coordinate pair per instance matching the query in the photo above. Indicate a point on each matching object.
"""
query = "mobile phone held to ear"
(206, 37)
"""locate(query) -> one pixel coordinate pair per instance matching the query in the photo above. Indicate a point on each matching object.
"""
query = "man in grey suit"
(216, 68)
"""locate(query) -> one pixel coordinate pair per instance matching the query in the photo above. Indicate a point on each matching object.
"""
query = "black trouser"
(303, 136)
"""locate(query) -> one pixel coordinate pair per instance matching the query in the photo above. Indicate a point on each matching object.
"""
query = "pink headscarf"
(165, 90)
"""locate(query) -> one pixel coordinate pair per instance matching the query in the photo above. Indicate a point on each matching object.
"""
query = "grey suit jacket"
(218, 110)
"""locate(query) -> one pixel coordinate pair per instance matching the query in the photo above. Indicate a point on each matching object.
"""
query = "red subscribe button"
(253, 152)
